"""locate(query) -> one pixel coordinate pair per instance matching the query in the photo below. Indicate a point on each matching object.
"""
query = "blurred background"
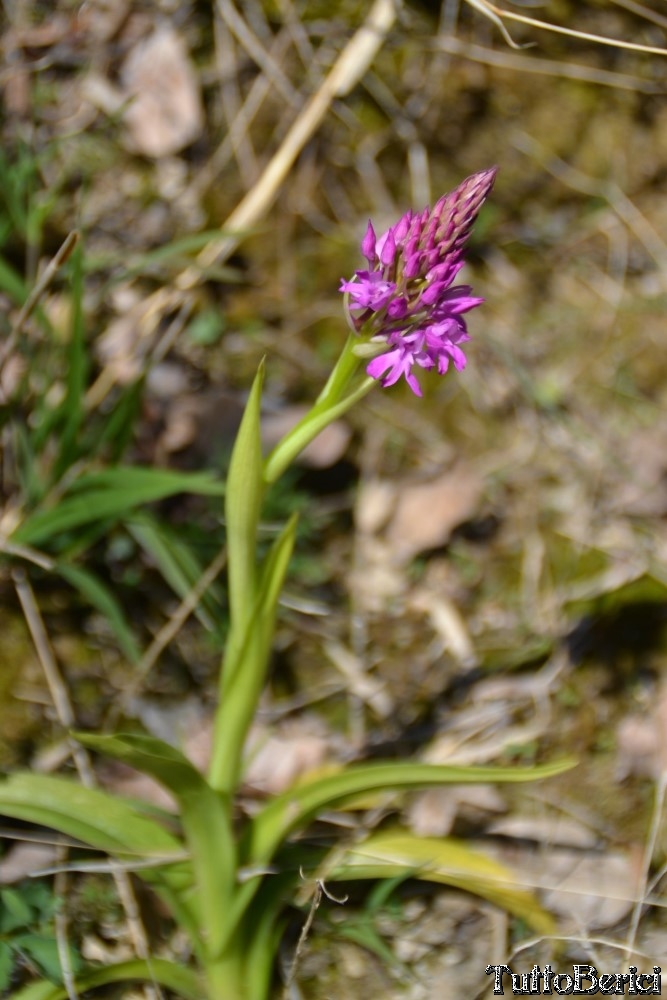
(480, 575)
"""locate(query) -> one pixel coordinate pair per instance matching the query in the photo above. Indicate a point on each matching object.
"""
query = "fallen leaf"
(24, 859)
(432, 813)
(559, 830)
(165, 113)
(324, 451)
(375, 501)
(277, 757)
(588, 890)
(426, 513)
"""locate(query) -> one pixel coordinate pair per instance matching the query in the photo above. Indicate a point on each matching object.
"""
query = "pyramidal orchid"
(405, 304)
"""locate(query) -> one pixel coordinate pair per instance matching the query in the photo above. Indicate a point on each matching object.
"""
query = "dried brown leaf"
(165, 112)
(324, 451)
(427, 513)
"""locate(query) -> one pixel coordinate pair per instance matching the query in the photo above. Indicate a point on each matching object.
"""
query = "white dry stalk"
(347, 70)
(66, 717)
(496, 13)
(540, 66)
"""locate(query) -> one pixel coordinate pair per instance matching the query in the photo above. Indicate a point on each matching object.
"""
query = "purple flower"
(405, 304)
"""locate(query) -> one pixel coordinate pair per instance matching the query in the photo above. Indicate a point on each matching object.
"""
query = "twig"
(649, 853)
(256, 51)
(348, 69)
(642, 11)
(60, 884)
(35, 295)
(168, 632)
(238, 127)
(66, 717)
(546, 67)
(320, 890)
(26, 552)
(495, 13)
(230, 99)
(350, 66)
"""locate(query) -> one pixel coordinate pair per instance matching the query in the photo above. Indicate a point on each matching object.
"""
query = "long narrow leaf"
(301, 804)
(178, 565)
(109, 824)
(90, 815)
(111, 495)
(154, 483)
(445, 860)
(244, 670)
(96, 593)
(119, 429)
(72, 405)
(172, 975)
(242, 506)
(206, 819)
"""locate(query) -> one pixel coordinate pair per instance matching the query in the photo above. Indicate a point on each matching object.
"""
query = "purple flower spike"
(406, 302)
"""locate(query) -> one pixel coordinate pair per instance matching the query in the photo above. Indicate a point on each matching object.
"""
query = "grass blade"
(100, 597)
(301, 804)
(174, 976)
(445, 860)
(111, 494)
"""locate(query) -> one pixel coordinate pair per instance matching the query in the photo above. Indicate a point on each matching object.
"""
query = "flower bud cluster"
(405, 304)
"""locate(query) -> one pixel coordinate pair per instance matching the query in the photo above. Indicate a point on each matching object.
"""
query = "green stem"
(225, 979)
(334, 400)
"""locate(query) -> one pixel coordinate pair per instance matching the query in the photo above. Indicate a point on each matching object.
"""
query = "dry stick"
(252, 45)
(169, 631)
(232, 105)
(642, 11)
(27, 553)
(649, 854)
(350, 66)
(60, 885)
(546, 67)
(348, 69)
(238, 127)
(42, 284)
(495, 13)
(320, 890)
(65, 713)
(609, 190)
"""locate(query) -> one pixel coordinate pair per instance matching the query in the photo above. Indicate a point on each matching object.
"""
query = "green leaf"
(91, 815)
(72, 406)
(173, 976)
(110, 494)
(15, 911)
(6, 965)
(443, 860)
(179, 566)
(205, 815)
(242, 507)
(299, 805)
(110, 824)
(244, 669)
(43, 950)
(118, 428)
(147, 483)
(12, 283)
(96, 593)
(366, 936)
